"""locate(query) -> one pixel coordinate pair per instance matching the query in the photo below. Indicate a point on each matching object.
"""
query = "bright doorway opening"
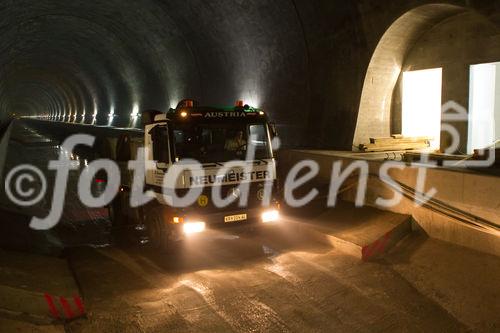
(421, 105)
(484, 106)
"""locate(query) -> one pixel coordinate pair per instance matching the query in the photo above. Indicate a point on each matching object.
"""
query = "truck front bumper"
(194, 223)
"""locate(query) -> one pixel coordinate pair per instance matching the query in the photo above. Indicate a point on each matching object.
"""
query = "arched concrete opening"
(453, 46)
(384, 70)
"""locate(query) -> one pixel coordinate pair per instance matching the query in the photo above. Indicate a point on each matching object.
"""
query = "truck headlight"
(193, 227)
(270, 216)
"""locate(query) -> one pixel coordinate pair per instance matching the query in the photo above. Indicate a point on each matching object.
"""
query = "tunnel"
(249, 165)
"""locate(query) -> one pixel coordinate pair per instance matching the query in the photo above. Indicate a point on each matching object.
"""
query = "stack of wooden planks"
(396, 143)
(415, 156)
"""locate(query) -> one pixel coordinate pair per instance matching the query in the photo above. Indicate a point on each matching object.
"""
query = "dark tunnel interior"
(105, 61)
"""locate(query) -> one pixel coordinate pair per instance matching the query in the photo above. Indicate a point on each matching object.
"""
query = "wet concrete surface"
(274, 280)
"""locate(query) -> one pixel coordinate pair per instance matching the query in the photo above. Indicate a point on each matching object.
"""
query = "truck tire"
(160, 234)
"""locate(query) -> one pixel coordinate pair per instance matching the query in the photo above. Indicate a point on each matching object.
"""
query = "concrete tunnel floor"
(283, 278)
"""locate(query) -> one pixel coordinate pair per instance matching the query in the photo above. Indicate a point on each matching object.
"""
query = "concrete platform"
(366, 233)
(38, 289)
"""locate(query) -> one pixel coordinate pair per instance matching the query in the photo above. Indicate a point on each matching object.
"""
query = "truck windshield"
(210, 143)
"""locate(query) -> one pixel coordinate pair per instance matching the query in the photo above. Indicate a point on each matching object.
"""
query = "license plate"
(235, 218)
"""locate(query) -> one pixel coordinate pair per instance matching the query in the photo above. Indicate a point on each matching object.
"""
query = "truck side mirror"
(159, 136)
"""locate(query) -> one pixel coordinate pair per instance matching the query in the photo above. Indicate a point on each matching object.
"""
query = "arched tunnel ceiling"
(90, 57)
(81, 58)
(303, 61)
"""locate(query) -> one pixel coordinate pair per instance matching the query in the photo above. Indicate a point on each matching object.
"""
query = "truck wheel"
(160, 234)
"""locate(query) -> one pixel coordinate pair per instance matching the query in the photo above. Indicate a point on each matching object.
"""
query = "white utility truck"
(229, 148)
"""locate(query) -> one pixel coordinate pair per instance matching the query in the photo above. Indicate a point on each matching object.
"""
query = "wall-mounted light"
(250, 94)
(135, 111)
(94, 114)
(111, 115)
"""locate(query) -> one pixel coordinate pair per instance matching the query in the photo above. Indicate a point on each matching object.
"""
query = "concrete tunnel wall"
(303, 61)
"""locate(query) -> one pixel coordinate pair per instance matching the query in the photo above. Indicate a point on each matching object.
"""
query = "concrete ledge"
(38, 288)
(366, 233)
(26, 303)
(472, 192)
(8, 325)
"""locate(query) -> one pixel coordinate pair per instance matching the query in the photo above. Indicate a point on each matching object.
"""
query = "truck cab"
(224, 154)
